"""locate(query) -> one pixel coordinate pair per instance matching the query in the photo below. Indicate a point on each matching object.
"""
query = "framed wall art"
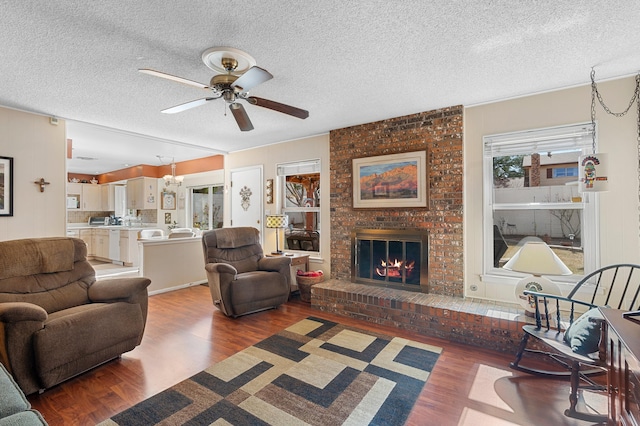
(6, 186)
(269, 191)
(387, 181)
(168, 200)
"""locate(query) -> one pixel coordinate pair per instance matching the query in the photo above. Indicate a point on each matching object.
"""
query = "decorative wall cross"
(41, 183)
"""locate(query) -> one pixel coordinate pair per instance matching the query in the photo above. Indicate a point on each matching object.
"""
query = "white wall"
(38, 149)
(619, 221)
(316, 147)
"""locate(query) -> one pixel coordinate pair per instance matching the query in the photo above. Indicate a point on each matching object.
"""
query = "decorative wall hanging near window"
(245, 194)
(269, 192)
(396, 180)
(593, 172)
(6, 186)
(593, 168)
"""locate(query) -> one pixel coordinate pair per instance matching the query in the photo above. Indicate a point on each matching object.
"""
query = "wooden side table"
(299, 262)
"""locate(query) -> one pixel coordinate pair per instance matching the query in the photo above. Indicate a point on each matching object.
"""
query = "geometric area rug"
(316, 372)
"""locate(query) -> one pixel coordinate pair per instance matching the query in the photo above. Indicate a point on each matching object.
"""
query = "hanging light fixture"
(593, 168)
(172, 179)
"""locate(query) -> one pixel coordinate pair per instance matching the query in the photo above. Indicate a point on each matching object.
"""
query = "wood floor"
(185, 334)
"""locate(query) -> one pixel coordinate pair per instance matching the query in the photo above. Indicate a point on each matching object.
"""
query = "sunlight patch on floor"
(483, 389)
(471, 417)
(495, 313)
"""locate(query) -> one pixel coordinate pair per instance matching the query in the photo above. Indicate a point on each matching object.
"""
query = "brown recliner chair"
(241, 279)
(56, 320)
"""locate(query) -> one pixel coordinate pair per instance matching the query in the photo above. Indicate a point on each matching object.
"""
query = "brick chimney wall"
(534, 178)
(439, 132)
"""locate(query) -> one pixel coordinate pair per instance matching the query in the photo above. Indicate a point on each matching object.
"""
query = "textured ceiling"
(346, 62)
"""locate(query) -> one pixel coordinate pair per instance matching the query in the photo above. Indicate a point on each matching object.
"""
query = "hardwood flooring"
(185, 334)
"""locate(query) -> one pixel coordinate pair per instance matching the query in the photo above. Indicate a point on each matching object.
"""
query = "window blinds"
(556, 139)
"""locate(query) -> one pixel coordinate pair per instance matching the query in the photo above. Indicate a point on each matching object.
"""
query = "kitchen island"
(172, 263)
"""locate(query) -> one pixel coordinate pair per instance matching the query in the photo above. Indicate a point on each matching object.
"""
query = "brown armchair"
(56, 320)
(241, 279)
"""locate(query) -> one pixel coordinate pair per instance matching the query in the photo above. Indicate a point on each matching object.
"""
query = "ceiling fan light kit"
(215, 57)
(237, 74)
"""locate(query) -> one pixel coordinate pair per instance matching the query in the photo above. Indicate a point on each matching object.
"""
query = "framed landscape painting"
(6, 186)
(396, 180)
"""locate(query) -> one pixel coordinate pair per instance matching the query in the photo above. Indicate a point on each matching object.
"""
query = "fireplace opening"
(390, 258)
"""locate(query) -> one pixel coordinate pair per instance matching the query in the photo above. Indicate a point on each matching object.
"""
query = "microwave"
(73, 202)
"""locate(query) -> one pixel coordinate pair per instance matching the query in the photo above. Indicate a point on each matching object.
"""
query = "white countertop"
(165, 239)
(123, 227)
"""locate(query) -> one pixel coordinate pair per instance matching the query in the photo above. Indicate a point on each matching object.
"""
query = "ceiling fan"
(238, 75)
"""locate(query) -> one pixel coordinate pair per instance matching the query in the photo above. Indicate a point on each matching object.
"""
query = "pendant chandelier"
(172, 179)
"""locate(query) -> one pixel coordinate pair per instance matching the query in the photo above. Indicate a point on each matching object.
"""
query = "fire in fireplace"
(390, 258)
(395, 269)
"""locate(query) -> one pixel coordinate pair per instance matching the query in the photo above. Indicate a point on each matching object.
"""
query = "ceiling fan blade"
(174, 78)
(241, 117)
(251, 78)
(187, 105)
(277, 106)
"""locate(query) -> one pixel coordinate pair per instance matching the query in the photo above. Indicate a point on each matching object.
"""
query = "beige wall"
(38, 149)
(316, 147)
(172, 264)
(619, 222)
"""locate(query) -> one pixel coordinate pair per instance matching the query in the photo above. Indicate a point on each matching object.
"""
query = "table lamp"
(536, 258)
(277, 221)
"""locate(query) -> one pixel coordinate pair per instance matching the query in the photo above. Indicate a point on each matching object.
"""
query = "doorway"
(246, 197)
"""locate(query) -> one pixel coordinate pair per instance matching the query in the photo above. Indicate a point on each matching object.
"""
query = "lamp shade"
(537, 258)
(277, 221)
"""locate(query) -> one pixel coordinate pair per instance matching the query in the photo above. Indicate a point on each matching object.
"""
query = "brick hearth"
(482, 323)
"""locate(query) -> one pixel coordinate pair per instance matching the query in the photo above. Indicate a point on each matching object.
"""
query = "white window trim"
(293, 168)
(514, 143)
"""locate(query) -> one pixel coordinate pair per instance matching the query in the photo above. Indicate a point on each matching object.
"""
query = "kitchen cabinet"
(84, 196)
(87, 236)
(91, 197)
(74, 194)
(129, 247)
(142, 193)
(101, 243)
(107, 197)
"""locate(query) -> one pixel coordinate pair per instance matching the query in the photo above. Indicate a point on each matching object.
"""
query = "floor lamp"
(277, 222)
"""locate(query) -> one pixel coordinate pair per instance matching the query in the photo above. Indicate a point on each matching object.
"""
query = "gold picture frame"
(389, 181)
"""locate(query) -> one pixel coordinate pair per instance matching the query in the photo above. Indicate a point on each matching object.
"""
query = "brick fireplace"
(442, 311)
(437, 132)
(390, 258)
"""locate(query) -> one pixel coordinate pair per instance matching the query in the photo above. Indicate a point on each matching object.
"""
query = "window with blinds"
(300, 201)
(531, 192)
